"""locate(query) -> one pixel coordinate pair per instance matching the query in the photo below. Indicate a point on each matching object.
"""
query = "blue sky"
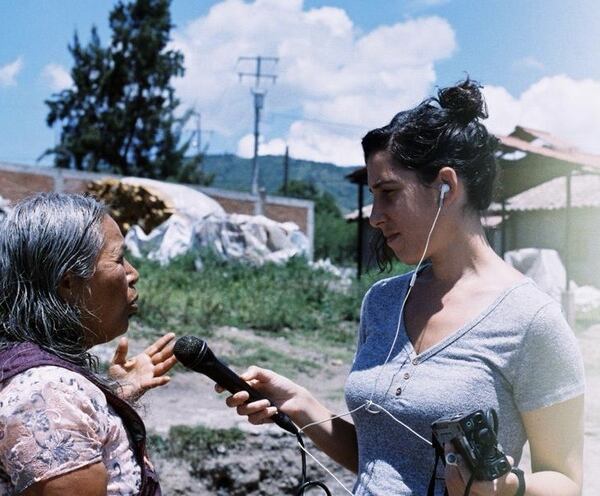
(345, 66)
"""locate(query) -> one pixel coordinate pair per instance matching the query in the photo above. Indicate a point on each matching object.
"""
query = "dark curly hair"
(440, 132)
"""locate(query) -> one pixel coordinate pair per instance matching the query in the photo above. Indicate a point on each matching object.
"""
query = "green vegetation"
(194, 444)
(307, 307)
(270, 298)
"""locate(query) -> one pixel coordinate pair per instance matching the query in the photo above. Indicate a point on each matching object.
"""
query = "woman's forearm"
(548, 484)
(335, 437)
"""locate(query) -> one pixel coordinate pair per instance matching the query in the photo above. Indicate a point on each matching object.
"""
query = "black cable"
(469, 484)
(308, 484)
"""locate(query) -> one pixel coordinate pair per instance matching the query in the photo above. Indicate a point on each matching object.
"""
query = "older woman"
(464, 332)
(65, 286)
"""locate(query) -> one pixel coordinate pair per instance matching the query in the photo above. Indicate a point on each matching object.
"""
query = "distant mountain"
(233, 172)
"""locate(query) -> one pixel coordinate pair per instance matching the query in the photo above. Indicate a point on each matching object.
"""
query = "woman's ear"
(67, 287)
(447, 181)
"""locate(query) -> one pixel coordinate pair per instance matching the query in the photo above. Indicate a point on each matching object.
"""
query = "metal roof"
(552, 195)
(573, 156)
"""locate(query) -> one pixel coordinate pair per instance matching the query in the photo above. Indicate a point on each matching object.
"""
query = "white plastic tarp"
(252, 239)
(547, 270)
(186, 201)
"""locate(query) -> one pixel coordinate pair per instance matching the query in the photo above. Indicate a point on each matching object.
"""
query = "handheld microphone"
(195, 354)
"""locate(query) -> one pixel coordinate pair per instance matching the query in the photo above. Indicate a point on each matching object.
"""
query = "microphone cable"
(304, 483)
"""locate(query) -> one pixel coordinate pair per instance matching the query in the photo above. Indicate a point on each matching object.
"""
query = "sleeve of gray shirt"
(549, 366)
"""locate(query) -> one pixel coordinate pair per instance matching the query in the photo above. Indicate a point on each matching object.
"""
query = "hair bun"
(464, 101)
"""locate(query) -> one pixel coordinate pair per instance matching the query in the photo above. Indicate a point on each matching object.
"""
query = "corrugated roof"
(552, 195)
(548, 148)
(543, 138)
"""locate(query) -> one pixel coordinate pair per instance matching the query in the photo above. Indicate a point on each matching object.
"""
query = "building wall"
(547, 229)
(18, 181)
(15, 186)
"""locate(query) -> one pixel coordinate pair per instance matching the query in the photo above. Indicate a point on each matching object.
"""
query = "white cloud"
(529, 62)
(273, 147)
(309, 141)
(565, 107)
(9, 72)
(327, 70)
(57, 77)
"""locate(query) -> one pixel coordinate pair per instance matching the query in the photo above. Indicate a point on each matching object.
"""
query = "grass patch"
(270, 298)
(259, 353)
(194, 443)
(292, 301)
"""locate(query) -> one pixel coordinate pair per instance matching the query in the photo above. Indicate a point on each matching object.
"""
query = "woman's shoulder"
(384, 294)
(391, 285)
(527, 300)
(50, 384)
(52, 421)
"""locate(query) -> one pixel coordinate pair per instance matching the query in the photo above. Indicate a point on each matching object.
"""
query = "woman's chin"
(403, 257)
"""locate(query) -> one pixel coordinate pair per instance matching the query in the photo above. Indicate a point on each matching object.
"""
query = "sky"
(344, 67)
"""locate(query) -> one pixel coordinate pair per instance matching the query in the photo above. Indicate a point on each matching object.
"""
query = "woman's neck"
(465, 254)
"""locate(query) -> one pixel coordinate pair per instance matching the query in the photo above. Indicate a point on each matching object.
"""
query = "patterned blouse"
(54, 421)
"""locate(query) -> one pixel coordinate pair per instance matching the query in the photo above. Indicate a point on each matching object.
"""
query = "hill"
(233, 172)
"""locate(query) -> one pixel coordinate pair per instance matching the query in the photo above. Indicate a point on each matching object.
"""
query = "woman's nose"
(132, 274)
(375, 218)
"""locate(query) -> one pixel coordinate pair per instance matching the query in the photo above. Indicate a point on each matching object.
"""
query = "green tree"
(334, 237)
(119, 115)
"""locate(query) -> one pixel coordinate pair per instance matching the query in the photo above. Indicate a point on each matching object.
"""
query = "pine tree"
(120, 114)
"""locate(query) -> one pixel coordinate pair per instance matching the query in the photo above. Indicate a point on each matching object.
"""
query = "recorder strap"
(439, 454)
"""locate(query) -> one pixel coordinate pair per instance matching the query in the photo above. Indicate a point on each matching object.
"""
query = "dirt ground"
(190, 400)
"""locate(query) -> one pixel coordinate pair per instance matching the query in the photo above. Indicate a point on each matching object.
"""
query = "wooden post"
(359, 230)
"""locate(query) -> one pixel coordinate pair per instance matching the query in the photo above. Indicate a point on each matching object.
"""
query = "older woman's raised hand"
(144, 371)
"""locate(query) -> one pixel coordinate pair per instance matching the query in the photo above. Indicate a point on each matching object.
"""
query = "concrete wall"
(547, 229)
(18, 181)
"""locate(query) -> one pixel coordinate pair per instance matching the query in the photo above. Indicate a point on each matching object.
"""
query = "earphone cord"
(401, 312)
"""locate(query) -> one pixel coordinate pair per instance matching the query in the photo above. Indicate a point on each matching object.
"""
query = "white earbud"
(444, 188)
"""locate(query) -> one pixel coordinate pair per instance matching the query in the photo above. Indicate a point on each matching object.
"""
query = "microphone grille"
(189, 350)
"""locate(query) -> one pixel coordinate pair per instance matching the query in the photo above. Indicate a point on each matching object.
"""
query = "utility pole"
(259, 98)
(286, 165)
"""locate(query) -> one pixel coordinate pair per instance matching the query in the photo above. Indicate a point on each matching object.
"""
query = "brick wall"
(15, 185)
(18, 181)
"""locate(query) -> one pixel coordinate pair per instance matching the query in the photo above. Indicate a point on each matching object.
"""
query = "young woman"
(65, 286)
(467, 332)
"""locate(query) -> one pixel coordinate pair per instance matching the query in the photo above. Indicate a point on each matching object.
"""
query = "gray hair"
(43, 238)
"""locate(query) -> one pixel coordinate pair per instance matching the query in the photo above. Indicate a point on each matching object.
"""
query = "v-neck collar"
(416, 358)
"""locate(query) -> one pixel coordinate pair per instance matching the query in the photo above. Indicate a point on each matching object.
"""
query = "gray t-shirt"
(518, 355)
